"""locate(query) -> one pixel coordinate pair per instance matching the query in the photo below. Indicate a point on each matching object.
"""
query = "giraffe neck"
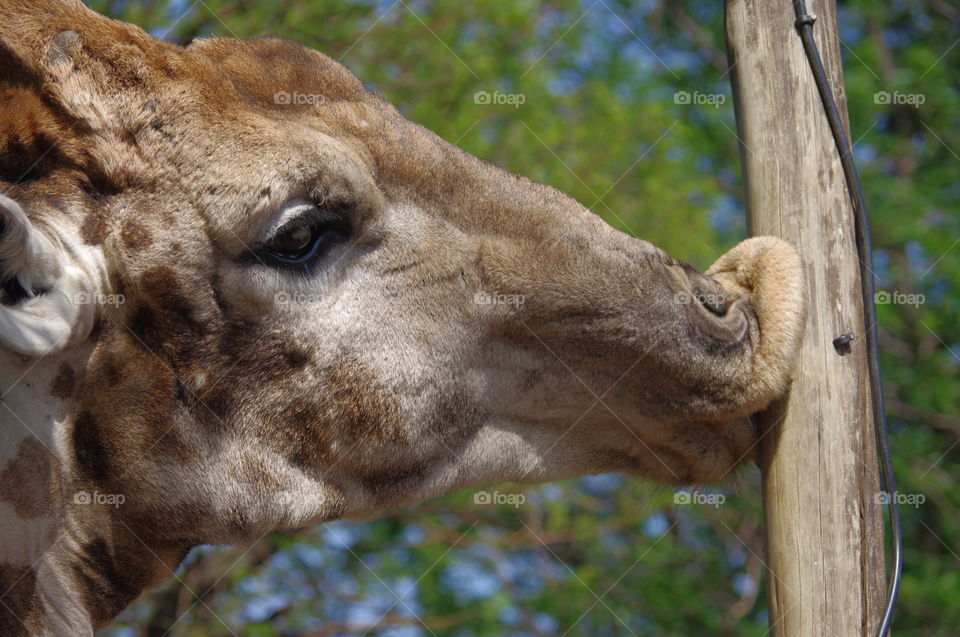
(69, 561)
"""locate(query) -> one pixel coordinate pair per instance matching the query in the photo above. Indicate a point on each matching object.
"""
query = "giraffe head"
(242, 293)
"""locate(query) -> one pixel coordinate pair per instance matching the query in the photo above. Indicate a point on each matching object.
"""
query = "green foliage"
(601, 121)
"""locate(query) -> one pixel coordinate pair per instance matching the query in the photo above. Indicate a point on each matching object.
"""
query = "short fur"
(476, 326)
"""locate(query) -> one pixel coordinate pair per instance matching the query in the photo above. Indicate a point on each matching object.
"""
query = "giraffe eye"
(292, 243)
(306, 237)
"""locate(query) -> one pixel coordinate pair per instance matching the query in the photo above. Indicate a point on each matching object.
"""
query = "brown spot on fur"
(361, 407)
(94, 228)
(35, 137)
(165, 321)
(88, 448)
(269, 356)
(26, 481)
(20, 610)
(304, 447)
(161, 285)
(251, 356)
(143, 325)
(62, 385)
(134, 235)
(352, 409)
(132, 399)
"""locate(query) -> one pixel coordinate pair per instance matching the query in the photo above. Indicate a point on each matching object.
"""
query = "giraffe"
(225, 311)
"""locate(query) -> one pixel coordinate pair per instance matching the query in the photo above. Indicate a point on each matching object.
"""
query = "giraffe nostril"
(708, 292)
(715, 301)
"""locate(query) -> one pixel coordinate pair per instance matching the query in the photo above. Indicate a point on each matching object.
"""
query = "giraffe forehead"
(263, 67)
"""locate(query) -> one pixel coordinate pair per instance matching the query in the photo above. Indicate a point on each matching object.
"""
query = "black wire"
(864, 248)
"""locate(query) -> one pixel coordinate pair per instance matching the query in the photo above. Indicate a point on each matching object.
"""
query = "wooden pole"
(820, 478)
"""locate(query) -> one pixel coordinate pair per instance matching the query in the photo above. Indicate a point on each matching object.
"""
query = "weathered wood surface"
(820, 477)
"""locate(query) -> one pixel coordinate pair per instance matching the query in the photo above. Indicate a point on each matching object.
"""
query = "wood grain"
(820, 478)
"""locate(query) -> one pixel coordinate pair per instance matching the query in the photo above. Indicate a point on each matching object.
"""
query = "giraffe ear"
(45, 297)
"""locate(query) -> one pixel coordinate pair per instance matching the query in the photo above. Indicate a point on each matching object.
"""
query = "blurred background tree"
(626, 106)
